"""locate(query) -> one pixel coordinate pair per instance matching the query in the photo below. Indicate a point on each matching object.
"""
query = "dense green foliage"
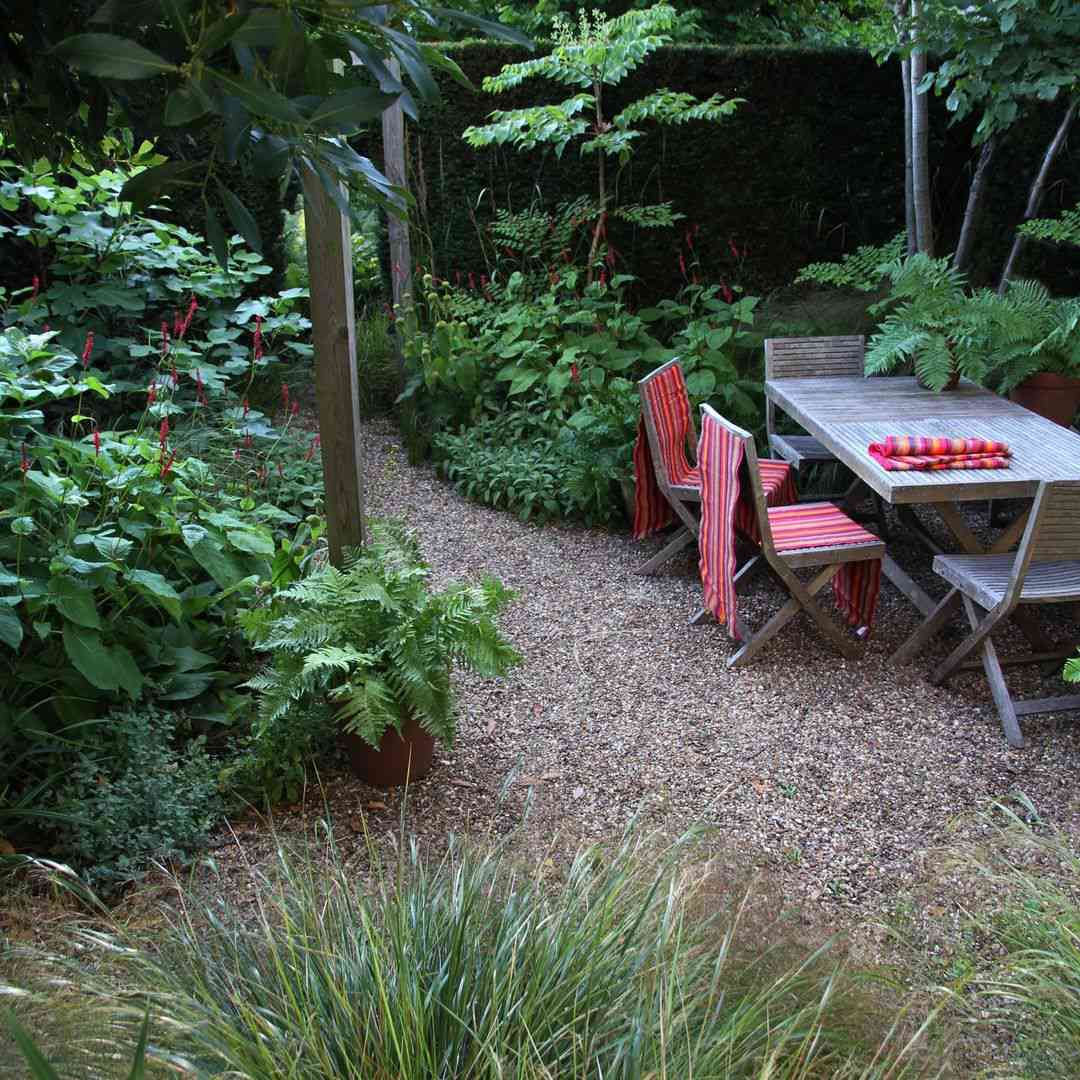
(548, 366)
(810, 167)
(375, 641)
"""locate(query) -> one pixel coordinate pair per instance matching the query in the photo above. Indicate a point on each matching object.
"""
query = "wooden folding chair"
(815, 357)
(665, 409)
(1044, 570)
(794, 536)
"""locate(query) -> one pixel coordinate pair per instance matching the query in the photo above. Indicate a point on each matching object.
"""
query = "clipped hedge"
(810, 166)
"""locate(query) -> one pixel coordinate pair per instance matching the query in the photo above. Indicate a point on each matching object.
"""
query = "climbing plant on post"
(594, 53)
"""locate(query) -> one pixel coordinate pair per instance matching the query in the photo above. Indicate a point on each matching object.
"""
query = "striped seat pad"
(815, 525)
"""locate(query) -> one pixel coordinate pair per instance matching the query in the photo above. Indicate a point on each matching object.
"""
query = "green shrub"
(138, 796)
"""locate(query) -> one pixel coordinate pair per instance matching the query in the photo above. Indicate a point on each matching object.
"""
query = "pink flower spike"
(24, 461)
(36, 282)
(295, 410)
(280, 471)
(258, 341)
(151, 394)
(88, 349)
(97, 444)
(245, 408)
(285, 395)
(163, 432)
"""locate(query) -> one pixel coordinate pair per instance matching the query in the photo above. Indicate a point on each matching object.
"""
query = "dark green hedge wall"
(809, 167)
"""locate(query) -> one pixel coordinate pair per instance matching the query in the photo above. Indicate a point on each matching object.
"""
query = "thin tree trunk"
(973, 210)
(1038, 189)
(920, 156)
(601, 177)
(900, 12)
(909, 188)
(397, 227)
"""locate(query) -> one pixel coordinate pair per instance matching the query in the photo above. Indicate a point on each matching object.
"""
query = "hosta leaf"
(158, 589)
(108, 667)
(223, 569)
(75, 601)
(22, 526)
(11, 630)
(251, 541)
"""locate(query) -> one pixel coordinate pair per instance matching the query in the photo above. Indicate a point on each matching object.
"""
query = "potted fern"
(932, 324)
(1039, 358)
(378, 644)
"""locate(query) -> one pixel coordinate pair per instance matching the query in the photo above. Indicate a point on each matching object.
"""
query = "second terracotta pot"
(1057, 397)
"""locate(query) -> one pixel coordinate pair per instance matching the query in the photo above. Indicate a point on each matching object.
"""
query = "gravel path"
(838, 777)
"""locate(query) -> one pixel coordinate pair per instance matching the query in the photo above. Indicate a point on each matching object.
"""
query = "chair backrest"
(1053, 530)
(665, 407)
(750, 474)
(806, 357)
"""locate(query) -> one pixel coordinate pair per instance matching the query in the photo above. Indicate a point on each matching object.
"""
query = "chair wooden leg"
(979, 633)
(801, 600)
(934, 622)
(996, 678)
(683, 538)
(743, 576)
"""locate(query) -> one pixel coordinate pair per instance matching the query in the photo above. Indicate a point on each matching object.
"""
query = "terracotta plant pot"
(399, 759)
(1057, 397)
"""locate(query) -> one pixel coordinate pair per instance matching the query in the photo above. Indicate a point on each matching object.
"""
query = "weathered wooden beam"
(333, 318)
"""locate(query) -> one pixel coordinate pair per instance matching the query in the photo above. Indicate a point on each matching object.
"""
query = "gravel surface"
(842, 780)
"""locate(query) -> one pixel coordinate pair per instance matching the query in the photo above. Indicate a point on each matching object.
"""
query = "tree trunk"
(397, 228)
(973, 210)
(900, 10)
(1038, 189)
(601, 180)
(920, 157)
(333, 333)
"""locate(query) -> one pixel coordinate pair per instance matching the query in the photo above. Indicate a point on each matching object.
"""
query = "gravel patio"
(841, 781)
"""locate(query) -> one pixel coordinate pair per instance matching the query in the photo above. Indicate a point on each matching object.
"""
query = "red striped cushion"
(816, 525)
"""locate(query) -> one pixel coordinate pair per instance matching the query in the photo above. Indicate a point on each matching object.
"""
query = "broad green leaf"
(157, 588)
(251, 541)
(242, 220)
(185, 104)
(700, 383)
(104, 666)
(111, 57)
(11, 630)
(75, 601)
(348, 111)
(22, 526)
(141, 190)
(221, 567)
(185, 686)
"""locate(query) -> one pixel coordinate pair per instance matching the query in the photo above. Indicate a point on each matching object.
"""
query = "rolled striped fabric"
(669, 404)
(807, 525)
(906, 453)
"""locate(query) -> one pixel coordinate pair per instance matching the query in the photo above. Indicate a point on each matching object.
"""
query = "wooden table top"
(847, 413)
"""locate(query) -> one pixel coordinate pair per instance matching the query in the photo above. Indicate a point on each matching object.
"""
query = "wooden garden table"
(847, 414)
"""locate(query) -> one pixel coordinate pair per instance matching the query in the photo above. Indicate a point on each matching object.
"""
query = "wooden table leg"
(907, 585)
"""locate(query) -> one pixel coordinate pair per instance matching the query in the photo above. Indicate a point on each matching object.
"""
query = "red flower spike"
(88, 349)
(728, 295)
(163, 432)
(151, 394)
(295, 409)
(247, 441)
(175, 376)
(236, 453)
(732, 248)
(24, 461)
(167, 464)
(603, 277)
(574, 374)
(689, 239)
(682, 264)
(280, 471)
(36, 283)
(285, 395)
(245, 408)
(164, 339)
(97, 444)
(177, 324)
(258, 342)
(192, 308)
(472, 280)
(457, 277)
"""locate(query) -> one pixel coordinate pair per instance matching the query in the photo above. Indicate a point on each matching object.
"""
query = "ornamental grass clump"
(627, 967)
(376, 641)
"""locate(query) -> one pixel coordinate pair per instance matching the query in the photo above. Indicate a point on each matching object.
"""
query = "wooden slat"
(814, 357)
(1048, 704)
(986, 578)
(1058, 535)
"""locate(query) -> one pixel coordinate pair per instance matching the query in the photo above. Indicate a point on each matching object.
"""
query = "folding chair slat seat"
(801, 358)
(667, 483)
(1044, 570)
(800, 535)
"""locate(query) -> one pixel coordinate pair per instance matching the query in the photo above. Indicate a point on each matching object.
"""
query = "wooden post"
(393, 132)
(329, 252)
